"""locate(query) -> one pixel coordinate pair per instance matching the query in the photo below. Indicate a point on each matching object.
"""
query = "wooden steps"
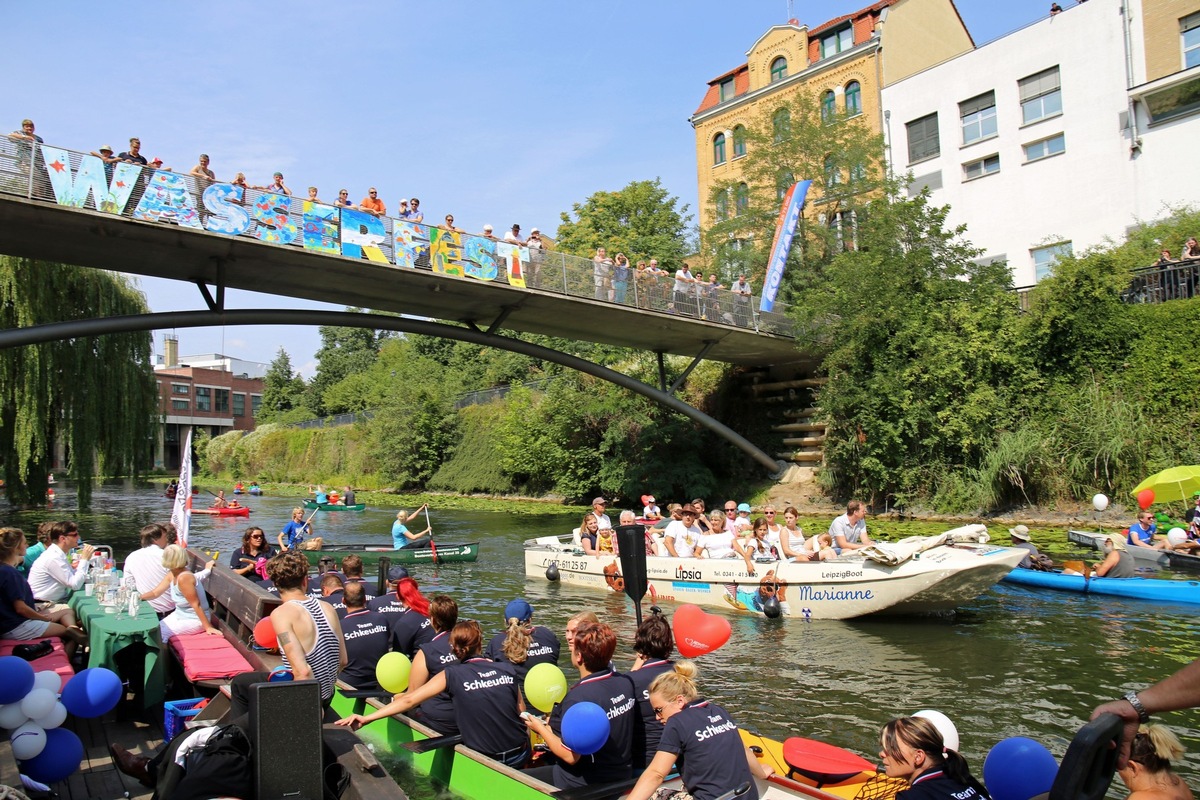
(801, 429)
(802, 456)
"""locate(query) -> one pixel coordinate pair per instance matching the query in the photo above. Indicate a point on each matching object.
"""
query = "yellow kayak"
(812, 768)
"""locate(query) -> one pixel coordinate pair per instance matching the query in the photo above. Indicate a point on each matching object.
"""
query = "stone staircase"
(789, 406)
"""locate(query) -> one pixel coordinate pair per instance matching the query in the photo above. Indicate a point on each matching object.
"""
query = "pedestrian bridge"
(67, 206)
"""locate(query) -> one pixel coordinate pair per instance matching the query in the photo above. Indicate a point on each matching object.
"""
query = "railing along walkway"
(1174, 280)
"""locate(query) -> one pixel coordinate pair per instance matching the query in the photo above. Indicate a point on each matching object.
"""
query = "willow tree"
(95, 395)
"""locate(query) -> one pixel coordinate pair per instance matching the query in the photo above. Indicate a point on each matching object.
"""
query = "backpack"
(224, 767)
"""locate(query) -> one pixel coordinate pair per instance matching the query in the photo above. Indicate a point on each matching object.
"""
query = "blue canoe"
(1139, 588)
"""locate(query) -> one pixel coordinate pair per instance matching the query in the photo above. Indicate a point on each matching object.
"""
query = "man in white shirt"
(684, 297)
(51, 576)
(849, 531)
(598, 507)
(145, 565)
(681, 537)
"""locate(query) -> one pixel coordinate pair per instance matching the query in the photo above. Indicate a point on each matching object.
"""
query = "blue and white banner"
(181, 512)
(785, 229)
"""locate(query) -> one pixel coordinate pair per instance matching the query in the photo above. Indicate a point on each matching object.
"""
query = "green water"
(1014, 662)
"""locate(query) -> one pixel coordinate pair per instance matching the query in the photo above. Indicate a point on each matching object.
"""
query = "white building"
(1028, 138)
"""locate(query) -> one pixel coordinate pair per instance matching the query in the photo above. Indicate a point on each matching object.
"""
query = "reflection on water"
(1015, 662)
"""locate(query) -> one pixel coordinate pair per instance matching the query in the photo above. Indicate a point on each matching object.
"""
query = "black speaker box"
(285, 729)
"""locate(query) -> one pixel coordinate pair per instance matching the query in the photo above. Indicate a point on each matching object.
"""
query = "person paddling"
(402, 536)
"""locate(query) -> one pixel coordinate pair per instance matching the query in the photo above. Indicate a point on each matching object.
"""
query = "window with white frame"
(1041, 96)
(180, 388)
(978, 117)
(837, 42)
(980, 167)
(1190, 31)
(923, 138)
(1044, 258)
(1053, 146)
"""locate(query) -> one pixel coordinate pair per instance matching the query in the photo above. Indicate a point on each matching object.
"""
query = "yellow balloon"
(545, 685)
(392, 672)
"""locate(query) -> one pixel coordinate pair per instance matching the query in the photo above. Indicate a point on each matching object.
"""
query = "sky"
(495, 112)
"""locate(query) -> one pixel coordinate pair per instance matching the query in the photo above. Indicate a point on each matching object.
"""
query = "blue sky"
(495, 112)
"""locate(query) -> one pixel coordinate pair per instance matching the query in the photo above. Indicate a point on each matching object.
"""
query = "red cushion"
(206, 657)
(56, 661)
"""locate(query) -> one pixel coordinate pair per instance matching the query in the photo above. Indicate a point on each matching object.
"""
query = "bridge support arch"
(38, 334)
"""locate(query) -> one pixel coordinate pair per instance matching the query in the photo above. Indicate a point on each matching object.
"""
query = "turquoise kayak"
(1161, 591)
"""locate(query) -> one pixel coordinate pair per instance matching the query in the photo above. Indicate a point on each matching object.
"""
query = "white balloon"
(48, 679)
(1176, 536)
(1100, 502)
(28, 741)
(56, 717)
(38, 703)
(944, 725)
(11, 716)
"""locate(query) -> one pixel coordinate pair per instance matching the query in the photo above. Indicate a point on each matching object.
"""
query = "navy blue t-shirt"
(314, 582)
(485, 694)
(13, 587)
(389, 605)
(368, 587)
(648, 731)
(337, 600)
(935, 785)
(367, 640)
(438, 711)
(710, 755)
(543, 649)
(409, 631)
(614, 693)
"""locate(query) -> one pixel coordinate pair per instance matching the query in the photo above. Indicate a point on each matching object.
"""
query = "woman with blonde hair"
(402, 537)
(191, 605)
(583, 617)
(522, 643)
(589, 534)
(1148, 774)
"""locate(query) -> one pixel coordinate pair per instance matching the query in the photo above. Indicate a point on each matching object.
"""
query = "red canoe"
(240, 511)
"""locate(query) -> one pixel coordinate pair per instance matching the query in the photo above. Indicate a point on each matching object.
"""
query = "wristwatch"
(1143, 714)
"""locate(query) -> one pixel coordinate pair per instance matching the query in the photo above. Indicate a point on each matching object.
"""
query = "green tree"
(95, 395)
(641, 220)
(283, 390)
(344, 352)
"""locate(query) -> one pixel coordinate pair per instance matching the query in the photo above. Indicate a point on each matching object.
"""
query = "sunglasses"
(769, 513)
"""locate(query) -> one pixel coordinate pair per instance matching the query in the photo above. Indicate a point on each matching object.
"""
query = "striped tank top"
(323, 657)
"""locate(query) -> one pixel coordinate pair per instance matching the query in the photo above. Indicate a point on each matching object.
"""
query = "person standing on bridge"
(741, 301)
(277, 185)
(202, 171)
(514, 235)
(371, 204)
(25, 139)
(415, 214)
(684, 297)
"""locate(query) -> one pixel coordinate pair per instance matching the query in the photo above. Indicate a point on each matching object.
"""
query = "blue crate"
(176, 713)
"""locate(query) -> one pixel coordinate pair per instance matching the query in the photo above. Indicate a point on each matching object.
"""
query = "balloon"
(1145, 499)
(48, 679)
(697, 632)
(93, 692)
(38, 703)
(264, 634)
(545, 685)
(16, 679)
(281, 673)
(1176, 536)
(56, 717)
(1100, 502)
(392, 672)
(1018, 769)
(585, 728)
(945, 727)
(58, 759)
(12, 717)
(28, 740)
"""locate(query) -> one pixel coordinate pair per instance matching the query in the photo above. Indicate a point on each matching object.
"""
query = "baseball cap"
(108, 147)
(518, 609)
(156, 160)
(535, 230)
(397, 573)
(1020, 532)
(487, 227)
(649, 499)
(599, 500)
(743, 506)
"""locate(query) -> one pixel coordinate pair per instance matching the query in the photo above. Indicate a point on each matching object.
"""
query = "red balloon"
(698, 632)
(1145, 498)
(264, 634)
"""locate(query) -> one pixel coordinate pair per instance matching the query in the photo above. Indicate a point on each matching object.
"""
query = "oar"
(429, 525)
(437, 742)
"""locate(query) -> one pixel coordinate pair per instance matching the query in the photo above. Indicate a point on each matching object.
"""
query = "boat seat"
(660, 549)
(575, 540)
(207, 658)
(822, 763)
(54, 661)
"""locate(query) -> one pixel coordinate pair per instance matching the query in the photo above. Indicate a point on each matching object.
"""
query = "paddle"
(429, 526)
(437, 742)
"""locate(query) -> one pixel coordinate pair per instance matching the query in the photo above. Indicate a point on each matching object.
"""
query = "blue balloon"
(16, 679)
(1018, 769)
(60, 757)
(585, 728)
(93, 692)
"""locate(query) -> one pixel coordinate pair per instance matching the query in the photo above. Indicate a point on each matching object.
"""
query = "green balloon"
(545, 685)
(392, 672)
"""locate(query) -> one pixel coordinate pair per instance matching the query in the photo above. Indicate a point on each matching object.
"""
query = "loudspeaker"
(285, 729)
(631, 540)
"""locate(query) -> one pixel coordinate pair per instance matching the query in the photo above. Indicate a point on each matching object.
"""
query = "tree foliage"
(96, 395)
(344, 352)
(642, 220)
(283, 389)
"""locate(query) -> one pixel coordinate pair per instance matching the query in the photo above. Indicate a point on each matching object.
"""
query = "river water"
(1014, 662)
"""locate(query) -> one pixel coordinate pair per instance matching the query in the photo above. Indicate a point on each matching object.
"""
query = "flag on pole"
(181, 512)
(785, 229)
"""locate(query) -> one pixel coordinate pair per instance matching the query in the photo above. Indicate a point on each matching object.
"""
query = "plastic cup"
(89, 589)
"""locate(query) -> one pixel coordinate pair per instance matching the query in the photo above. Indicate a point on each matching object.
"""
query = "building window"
(1190, 26)
(833, 175)
(1044, 258)
(741, 199)
(180, 388)
(1041, 96)
(722, 204)
(837, 42)
(179, 405)
(858, 172)
(222, 398)
(984, 166)
(726, 89)
(1035, 151)
(778, 69)
(718, 149)
(255, 404)
(844, 224)
(239, 404)
(978, 117)
(828, 107)
(203, 398)
(739, 141)
(923, 138)
(853, 99)
(782, 184)
(781, 124)
(1178, 100)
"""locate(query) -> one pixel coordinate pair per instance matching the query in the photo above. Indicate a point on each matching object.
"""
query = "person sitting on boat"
(1118, 562)
(295, 531)
(487, 704)
(250, 559)
(187, 594)
(719, 542)
(649, 509)
(589, 533)
(352, 572)
(52, 576)
(332, 592)
(411, 627)
(606, 542)
(791, 539)
(701, 737)
(320, 497)
(335, 499)
(1144, 533)
(19, 615)
(255, 488)
(913, 750)
(523, 644)
(599, 505)
(741, 521)
(601, 684)
(682, 535)
(348, 497)
(573, 624)
(758, 544)
(849, 531)
(701, 518)
(432, 658)
(820, 547)
(234, 503)
(367, 639)
(402, 537)
(1021, 540)
(389, 603)
(239, 487)
(146, 566)
(1148, 774)
(653, 645)
(219, 500)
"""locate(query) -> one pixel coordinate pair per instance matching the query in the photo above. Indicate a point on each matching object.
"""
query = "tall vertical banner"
(181, 512)
(785, 229)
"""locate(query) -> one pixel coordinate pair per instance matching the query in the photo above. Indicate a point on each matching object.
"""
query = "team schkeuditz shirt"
(614, 693)
(409, 631)
(485, 694)
(543, 649)
(936, 785)
(648, 731)
(709, 751)
(367, 640)
(438, 711)
(389, 605)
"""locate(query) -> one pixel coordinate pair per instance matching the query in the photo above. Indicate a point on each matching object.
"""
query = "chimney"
(171, 351)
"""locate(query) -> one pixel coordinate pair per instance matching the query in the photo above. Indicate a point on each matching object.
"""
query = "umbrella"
(1170, 485)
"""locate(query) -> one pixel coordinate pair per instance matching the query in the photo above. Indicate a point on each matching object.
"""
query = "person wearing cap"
(536, 246)
(487, 232)
(402, 537)
(649, 509)
(389, 602)
(371, 204)
(412, 212)
(682, 535)
(599, 504)
(1021, 540)
(202, 171)
(1118, 561)
(134, 154)
(514, 235)
(849, 531)
(277, 185)
(742, 521)
(106, 155)
(523, 644)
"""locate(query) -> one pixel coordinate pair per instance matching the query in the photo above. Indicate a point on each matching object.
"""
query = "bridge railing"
(71, 178)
